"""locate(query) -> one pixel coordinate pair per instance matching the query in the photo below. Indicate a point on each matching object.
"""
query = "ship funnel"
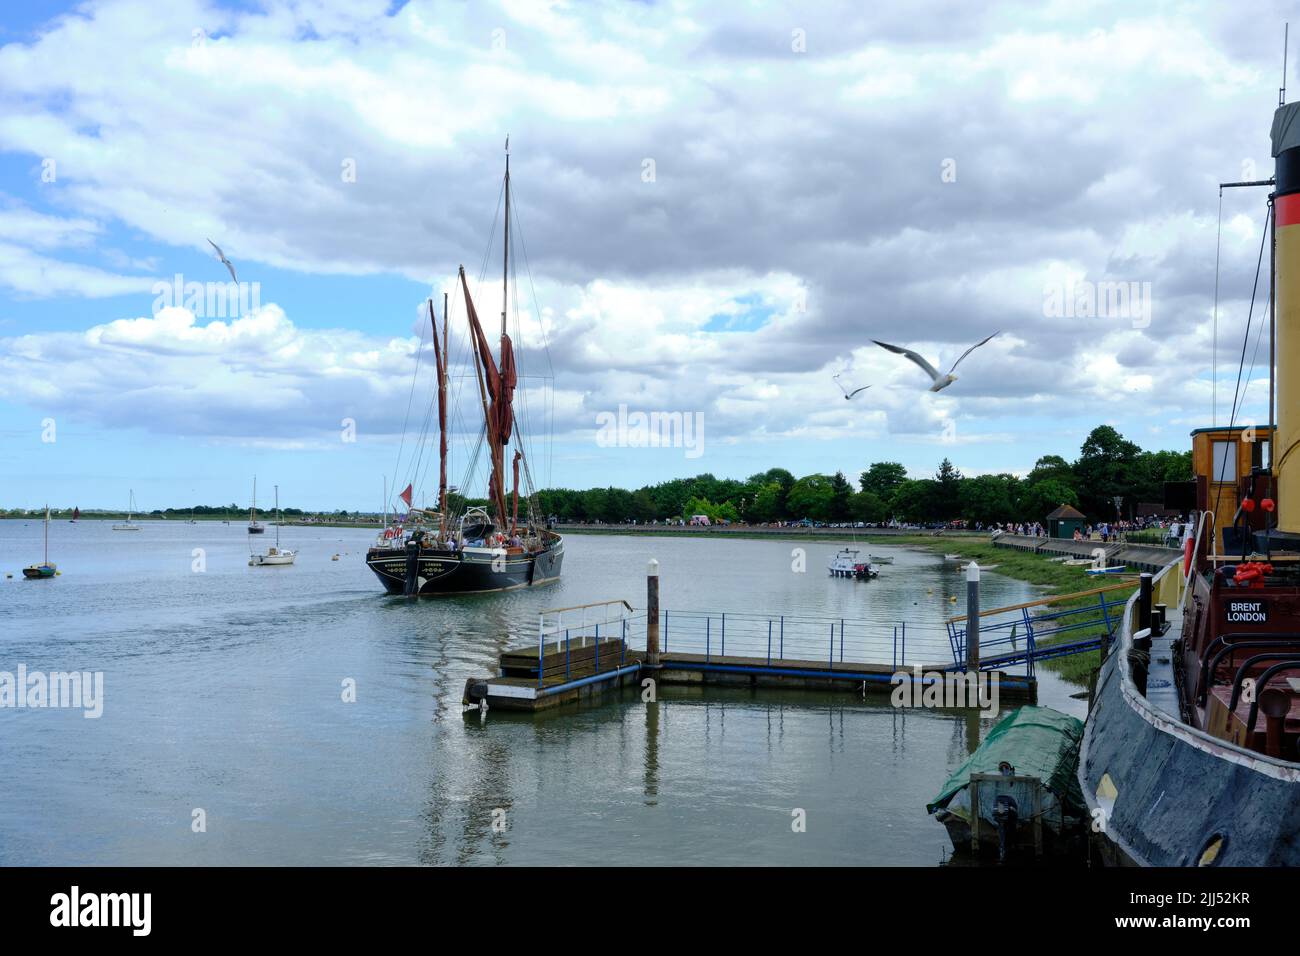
(1286, 226)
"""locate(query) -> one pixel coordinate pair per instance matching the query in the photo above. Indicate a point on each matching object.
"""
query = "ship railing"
(1204, 521)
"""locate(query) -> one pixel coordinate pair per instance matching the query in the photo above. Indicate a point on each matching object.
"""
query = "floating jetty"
(588, 650)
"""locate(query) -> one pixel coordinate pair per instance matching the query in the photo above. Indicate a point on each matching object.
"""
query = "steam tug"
(1191, 756)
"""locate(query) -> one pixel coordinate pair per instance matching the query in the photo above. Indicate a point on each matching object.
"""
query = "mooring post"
(972, 618)
(1144, 601)
(652, 614)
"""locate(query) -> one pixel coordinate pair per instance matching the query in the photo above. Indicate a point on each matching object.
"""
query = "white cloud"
(1086, 145)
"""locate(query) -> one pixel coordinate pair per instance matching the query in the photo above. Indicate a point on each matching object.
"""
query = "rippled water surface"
(223, 692)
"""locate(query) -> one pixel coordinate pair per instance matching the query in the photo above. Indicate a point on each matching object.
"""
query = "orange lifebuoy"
(389, 533)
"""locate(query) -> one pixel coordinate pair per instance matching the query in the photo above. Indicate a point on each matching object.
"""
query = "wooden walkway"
(585, 669)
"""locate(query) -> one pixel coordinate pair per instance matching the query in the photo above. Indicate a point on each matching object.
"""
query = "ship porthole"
(1212, 851)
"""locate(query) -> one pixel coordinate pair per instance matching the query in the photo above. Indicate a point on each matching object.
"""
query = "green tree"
(811, 497)
(643, 506)
(841, 491)
(948, 502)
(1051, 466)
(1043, 497)
(1106, 468)
(916, 500)
(1152, 469)
(882, 478)
(988, 498)
(867, 506)
(769, 503)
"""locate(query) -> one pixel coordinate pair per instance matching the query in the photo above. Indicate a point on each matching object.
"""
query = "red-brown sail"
(500, 382)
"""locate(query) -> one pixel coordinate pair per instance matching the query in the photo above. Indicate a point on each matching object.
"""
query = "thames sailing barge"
(474, 549)
(1191, 756)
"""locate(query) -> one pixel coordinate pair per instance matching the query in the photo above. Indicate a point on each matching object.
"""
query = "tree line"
(1108, 466)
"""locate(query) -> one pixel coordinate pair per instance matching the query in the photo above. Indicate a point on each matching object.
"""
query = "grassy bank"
(1055, 577)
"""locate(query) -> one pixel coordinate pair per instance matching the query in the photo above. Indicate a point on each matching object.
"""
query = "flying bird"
(847, 394)
(224, 261)
(941, 381)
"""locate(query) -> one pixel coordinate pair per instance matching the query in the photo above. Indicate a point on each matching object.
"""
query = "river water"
(223, 705)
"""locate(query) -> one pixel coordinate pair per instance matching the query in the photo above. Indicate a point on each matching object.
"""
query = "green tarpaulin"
(1038, 742)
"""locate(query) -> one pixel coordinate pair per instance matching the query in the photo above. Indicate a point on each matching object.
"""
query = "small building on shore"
(1064, 521)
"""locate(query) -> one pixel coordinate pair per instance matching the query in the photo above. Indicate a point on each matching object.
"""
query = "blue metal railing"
(780, 640)
(774, 638)
(1000, 645)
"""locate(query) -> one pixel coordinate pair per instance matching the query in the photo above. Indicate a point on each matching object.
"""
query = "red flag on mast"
(406, 496)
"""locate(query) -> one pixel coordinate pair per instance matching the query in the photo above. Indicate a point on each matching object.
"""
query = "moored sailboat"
(44, 569)
(276, 555)
(128, 525)
(474, 548)
(254, 526)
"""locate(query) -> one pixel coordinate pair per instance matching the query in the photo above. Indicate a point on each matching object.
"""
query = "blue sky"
(722, 208)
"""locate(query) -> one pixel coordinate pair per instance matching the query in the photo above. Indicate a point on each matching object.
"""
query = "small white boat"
(952, 557)
(276, 555)
(272, 556)
(1117, 569)
(847, 565)
(844, 563)
(128, 525)
(874, 559)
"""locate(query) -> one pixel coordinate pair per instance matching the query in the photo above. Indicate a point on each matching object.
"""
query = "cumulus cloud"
(799, 203)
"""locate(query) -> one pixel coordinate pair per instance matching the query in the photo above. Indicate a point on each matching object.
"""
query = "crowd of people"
(1103, 531)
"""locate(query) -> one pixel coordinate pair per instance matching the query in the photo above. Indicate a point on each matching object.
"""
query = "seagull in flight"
(224, 261)
(941, 381)
(847, 394)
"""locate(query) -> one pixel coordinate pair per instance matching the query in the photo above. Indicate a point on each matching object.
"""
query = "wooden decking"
(582, 669)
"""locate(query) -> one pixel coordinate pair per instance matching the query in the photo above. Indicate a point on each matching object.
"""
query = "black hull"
(1177, 788)
(434, 572)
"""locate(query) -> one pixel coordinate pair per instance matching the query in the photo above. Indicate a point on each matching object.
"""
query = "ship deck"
(1162, 691)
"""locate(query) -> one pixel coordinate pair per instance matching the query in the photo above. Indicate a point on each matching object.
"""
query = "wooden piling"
(652, 614)
(1144, 601)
